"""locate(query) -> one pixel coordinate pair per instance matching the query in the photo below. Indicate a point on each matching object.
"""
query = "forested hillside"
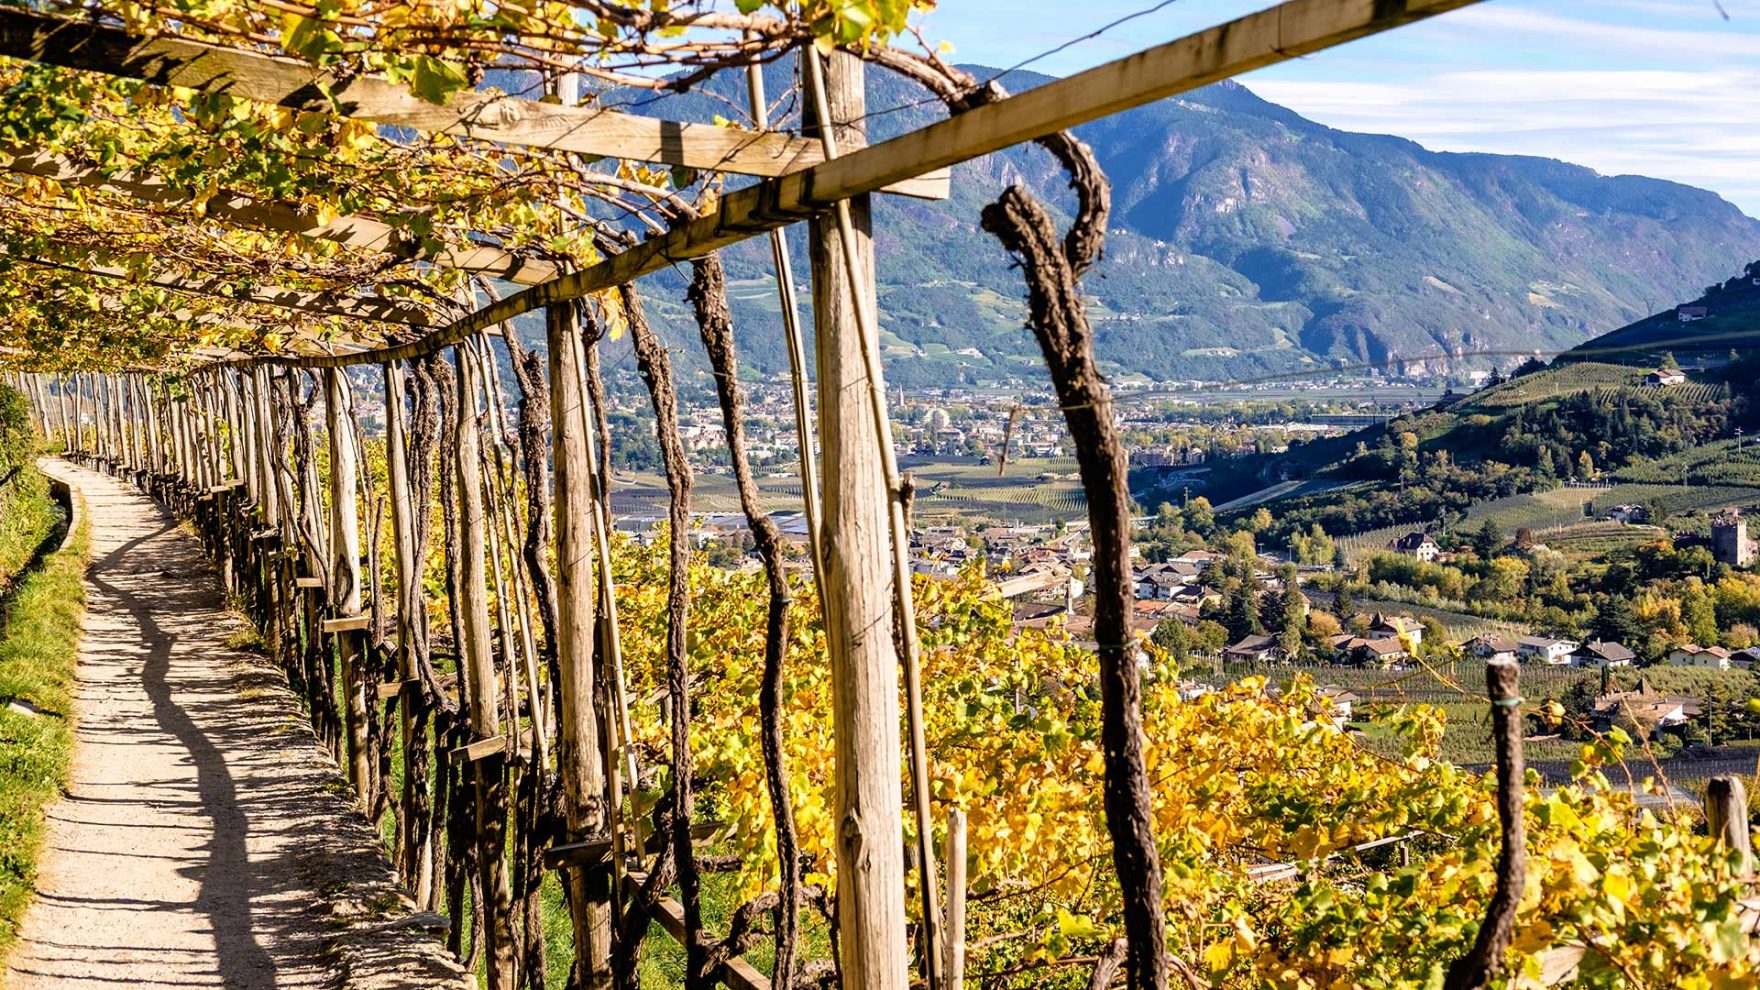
(1574, 421)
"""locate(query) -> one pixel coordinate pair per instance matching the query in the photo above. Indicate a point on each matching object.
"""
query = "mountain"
(1249, 240)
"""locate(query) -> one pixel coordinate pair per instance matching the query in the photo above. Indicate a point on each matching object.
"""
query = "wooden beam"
(363, 233)
(171, 61)
(379, 309)
(391, 689)
(597, 851)
(491, 746)
(735, 972)
(347, 623)
(1278, 34)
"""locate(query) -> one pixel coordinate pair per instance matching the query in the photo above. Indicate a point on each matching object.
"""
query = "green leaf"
(435, 80)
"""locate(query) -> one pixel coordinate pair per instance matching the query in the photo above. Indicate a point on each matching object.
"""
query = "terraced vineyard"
(1718, 463)
(1559, 382)
(1537, 511)
(1674, 498)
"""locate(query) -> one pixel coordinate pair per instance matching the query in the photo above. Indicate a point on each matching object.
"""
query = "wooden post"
(478, 665)
(155, 428)
(268, 476)
(239, 441)
(416, 848)
(1726, 818)
(858, 604)
(579, 758)
(1474, 970)
(345, 576)
(954, 966)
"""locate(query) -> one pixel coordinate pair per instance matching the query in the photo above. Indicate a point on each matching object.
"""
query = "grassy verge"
(39, 636)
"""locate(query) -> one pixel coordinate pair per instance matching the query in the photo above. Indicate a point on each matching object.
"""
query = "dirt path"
(205, 841)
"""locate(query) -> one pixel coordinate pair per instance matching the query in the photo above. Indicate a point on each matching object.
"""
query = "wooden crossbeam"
(1276, 34)
(237, 209)
(170, 61)
(482, 749)
(391, 689)
(378, 309)
(736, 972)
(346, 623)
(596, 852)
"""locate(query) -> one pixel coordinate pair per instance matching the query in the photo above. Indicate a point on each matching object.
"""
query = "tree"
(1173, 636)
(1240, 612)
(1585, 466)
(1200, 517)
(1343, 604)
(1615, 621)
(1488, 540)
(1698, 612)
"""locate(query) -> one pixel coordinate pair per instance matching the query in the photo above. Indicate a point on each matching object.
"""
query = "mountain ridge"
(1249, 240)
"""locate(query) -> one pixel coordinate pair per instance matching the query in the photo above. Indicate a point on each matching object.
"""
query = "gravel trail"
(198, 845)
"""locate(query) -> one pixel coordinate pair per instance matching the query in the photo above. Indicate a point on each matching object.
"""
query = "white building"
(1545, 649)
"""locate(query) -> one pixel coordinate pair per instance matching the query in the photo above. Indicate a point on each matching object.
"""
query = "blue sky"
(1668, 88)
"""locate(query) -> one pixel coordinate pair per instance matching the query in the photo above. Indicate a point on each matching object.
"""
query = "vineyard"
(378, 689)
(1586, 376)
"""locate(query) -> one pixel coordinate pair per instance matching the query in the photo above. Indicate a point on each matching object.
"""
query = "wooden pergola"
(227, 441)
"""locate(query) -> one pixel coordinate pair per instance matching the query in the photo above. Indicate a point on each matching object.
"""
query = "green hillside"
(1732, 321)
(1487, 455)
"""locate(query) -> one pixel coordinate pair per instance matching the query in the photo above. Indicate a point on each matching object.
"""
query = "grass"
(39, 638)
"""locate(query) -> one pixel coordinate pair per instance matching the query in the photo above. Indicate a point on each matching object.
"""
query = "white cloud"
(1696, 127)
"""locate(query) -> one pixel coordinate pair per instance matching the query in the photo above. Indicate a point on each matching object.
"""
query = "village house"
(1600, 653)
(1159, 582)
(1647, 708)
(1747, 659)
(1694, 655)
(1545, 649)
(1386, 651)
(1490, 647)
(1418, 545)
(1254, 649)
(1384, 626)
(1688, 314)
(1627, 514)
(1665, 378)
(1342, 700)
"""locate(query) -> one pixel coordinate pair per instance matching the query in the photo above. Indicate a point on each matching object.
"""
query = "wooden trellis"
(540, 685)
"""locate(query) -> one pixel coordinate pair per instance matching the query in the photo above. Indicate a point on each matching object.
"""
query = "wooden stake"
(1485, 959)
(345, 577)
(478, 665)
(578, 750)
(1726, 818)
(415, 849)
(858, 604)
(954, 968)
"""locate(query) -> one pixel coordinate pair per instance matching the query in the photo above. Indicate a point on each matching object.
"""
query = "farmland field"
(1676, 498)
(1032, 491)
